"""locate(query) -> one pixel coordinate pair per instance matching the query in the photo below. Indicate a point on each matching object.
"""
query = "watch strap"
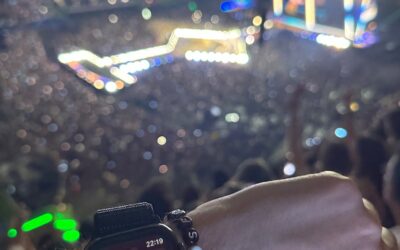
(118, 219)
(184, 224)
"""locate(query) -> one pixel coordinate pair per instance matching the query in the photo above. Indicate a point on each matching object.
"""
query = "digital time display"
(153, 237)
(154, 243)
(144, 244)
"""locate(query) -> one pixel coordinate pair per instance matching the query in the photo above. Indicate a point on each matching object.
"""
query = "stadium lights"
(278, 7)
(204, 56)
(356, 19)
(84, 55)
(123, 66)
(123, 75)
(310, 14)
(333, 41)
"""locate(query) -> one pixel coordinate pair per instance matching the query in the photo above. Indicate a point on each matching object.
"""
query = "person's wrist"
(208, 219)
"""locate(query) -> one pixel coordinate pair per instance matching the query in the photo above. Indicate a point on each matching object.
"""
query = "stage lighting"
(334, 20)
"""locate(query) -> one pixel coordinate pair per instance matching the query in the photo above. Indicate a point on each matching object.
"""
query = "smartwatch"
(136, 227)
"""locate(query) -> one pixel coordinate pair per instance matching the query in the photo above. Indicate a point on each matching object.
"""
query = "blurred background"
(176, 102)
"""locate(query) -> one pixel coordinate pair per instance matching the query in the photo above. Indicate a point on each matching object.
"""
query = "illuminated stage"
(340, 24)
(115, 72)
(333, 23)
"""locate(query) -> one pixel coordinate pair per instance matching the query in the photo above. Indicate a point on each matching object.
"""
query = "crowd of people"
(64, 143)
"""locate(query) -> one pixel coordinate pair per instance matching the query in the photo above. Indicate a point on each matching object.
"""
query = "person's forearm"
(287, 215)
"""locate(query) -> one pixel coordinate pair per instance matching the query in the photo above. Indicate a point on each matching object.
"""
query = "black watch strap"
(184, 224)
(118, 219)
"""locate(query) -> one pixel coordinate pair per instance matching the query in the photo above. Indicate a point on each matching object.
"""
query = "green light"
(37, 222)
(65, 224)
(71, 236)
(12, 233)
(192, 6)
(146, 14)
(59, 216)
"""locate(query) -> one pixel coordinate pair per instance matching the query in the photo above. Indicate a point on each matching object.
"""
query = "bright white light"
(289, 169)
(205, 56)
(232, 117)
(138, 55)
(211, 57)
(107, 61)
(123, 68)
(349, 27)
(134, 61)
(121, 74)
(189, 55)
(218, 57)
(370, 13)
(138, 66)
(111, 87)
(333, 41)
(162, 140)
(232, 58)
(250, 40)
(196, 56)
(134, 80)
(81, 55)
(243, 59)
(145, 64)
(348, 5)
(134, 67)
(146, 14)
(63, 58)
(225, 58)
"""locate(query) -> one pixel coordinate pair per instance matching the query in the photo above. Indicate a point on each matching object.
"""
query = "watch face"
(155, 237)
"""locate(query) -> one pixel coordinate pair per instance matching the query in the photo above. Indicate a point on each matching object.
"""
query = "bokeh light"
(289, 169)
(12, 233)
(163, 169)
(146, 14)
(37, 222)
(71, 236)
(257, 21)
(162, 140)
(341, 133)
(232, 117)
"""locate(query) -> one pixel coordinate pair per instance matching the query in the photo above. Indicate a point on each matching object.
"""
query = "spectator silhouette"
(335, 156)
(158, 193)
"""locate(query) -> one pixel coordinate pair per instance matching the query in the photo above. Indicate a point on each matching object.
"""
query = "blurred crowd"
(187, 132)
